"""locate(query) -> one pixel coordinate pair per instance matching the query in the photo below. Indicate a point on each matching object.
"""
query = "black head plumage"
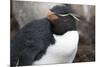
(63, 24)
(62, 9)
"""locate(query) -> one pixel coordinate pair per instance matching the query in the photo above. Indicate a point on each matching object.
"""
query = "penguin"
(49, 40)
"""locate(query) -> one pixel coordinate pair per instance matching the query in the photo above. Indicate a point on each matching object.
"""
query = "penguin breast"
(63, 51)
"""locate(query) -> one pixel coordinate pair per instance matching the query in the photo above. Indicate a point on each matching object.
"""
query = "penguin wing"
(24, 48)
(30, 43)
(28, 56)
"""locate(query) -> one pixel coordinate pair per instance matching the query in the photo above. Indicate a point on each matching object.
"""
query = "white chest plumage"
(63, 51)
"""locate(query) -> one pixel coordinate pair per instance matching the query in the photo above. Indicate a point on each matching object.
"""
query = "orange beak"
(52, 16)
(50, 13)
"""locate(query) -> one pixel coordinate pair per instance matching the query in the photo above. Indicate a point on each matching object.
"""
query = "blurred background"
(23, 12)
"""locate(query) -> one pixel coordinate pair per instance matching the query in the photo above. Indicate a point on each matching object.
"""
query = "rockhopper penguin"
(47, 41)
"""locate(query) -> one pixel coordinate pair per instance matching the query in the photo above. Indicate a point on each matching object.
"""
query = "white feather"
(63, 51)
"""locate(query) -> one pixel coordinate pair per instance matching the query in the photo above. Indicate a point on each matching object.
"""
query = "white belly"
(63, 51)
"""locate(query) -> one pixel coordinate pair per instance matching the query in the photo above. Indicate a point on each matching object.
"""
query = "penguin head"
(60, 19)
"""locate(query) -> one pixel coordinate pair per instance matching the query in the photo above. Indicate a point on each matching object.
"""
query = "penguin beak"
(50, 13)
(52, 16)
